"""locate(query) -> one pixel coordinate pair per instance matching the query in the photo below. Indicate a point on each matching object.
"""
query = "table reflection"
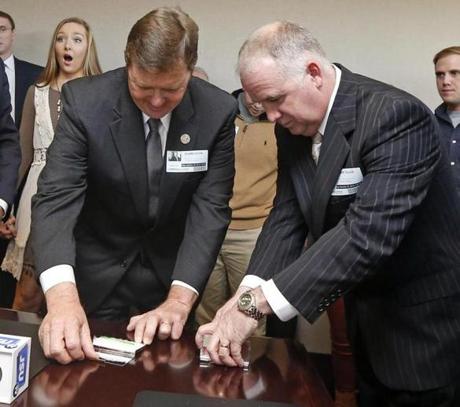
(58, 385)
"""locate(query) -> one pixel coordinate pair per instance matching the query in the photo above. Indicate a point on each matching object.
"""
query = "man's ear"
(313, 69)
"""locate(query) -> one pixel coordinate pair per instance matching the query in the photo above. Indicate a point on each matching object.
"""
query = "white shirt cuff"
(62, 273)
(277, 301)
(4, 206)
(182, 284)
(251, 281)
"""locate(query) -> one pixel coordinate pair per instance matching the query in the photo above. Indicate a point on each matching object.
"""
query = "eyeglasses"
(4, 29)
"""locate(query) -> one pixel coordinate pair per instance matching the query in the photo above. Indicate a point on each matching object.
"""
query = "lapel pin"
(185, 138)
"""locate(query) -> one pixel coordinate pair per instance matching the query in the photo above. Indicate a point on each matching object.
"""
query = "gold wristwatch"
(247, 304)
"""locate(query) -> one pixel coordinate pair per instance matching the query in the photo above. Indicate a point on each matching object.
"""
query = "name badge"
(187, 161)
(349, 181)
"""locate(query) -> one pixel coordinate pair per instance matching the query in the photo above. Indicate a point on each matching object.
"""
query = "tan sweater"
(256, 168)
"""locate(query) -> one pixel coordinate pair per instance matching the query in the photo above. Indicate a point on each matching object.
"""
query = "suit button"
(320, 309)
(124, 264)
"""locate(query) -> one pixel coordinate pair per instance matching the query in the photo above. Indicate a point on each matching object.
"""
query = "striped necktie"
(154, 164)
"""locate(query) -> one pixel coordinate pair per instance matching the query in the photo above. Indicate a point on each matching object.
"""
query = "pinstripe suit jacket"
(393, 247)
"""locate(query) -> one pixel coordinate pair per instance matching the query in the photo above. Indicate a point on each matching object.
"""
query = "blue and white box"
(14, 366)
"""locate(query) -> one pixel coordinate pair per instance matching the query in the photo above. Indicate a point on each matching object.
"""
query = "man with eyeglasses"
(362, 178)
(118, 227)
(21, 74)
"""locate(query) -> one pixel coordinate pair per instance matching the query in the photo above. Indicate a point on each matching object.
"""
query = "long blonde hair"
(91, 63)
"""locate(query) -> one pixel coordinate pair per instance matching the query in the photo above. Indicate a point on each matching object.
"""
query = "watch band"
(247, 304)
(254, 313)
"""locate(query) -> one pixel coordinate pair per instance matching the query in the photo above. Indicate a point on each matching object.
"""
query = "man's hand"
(229, 330)
(64, 333)
(167, 320)
(8, 228)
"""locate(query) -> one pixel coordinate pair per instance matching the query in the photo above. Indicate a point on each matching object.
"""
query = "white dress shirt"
(64, 272)
(4, 206)
(277, 301)
(11, 74)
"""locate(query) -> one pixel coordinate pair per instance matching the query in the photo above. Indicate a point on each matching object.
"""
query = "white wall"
(391, 40)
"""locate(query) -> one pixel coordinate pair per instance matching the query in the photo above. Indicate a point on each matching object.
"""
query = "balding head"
(283, 67)
(288, 44)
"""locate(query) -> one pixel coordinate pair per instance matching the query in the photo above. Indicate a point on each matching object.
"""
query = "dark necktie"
(154, 164)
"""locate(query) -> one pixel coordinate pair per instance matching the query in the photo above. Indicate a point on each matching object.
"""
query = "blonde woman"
(72, 54)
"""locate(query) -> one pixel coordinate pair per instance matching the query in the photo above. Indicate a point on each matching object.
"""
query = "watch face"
(245, 301)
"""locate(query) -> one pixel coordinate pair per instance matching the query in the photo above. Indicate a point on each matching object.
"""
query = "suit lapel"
(303, 170)
(334, 149)
(19, 91)
(129, 137)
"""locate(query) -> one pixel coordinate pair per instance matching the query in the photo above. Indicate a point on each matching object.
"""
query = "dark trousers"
(137, 292)
(7, 281)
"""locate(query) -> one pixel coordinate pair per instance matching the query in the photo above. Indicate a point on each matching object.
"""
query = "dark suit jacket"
(91, 210)
(394, 246)
(10, 153)
(26, 74)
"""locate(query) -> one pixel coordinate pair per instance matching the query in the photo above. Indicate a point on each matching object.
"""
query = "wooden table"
(280, 371)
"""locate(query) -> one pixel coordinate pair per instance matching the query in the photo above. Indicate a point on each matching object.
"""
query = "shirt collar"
(338, 76)
(9, 62)
(165, 120)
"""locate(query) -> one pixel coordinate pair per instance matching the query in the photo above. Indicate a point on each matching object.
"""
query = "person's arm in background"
(26, 133)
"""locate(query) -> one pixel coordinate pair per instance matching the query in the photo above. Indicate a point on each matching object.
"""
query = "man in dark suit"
(112, 214)
(10, 158)
(369, 191)
(10, 153)
(21, 74)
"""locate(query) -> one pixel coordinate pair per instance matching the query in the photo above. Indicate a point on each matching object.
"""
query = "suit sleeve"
(10, 154)
(61, 191)
(209, 214)
(399, 156)
(284, 233)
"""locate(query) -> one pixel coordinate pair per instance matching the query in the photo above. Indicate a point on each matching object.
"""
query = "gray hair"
(288, 44)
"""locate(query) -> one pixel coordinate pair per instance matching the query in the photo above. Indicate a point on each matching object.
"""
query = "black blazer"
(26, 74)
(91, 209)
(394, 246)
(10, 153)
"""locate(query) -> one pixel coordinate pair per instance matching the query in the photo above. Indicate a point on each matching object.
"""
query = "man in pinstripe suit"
(378, 210)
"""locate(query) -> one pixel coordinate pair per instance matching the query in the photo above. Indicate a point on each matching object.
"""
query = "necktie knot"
(316, 146)
(153, 126)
